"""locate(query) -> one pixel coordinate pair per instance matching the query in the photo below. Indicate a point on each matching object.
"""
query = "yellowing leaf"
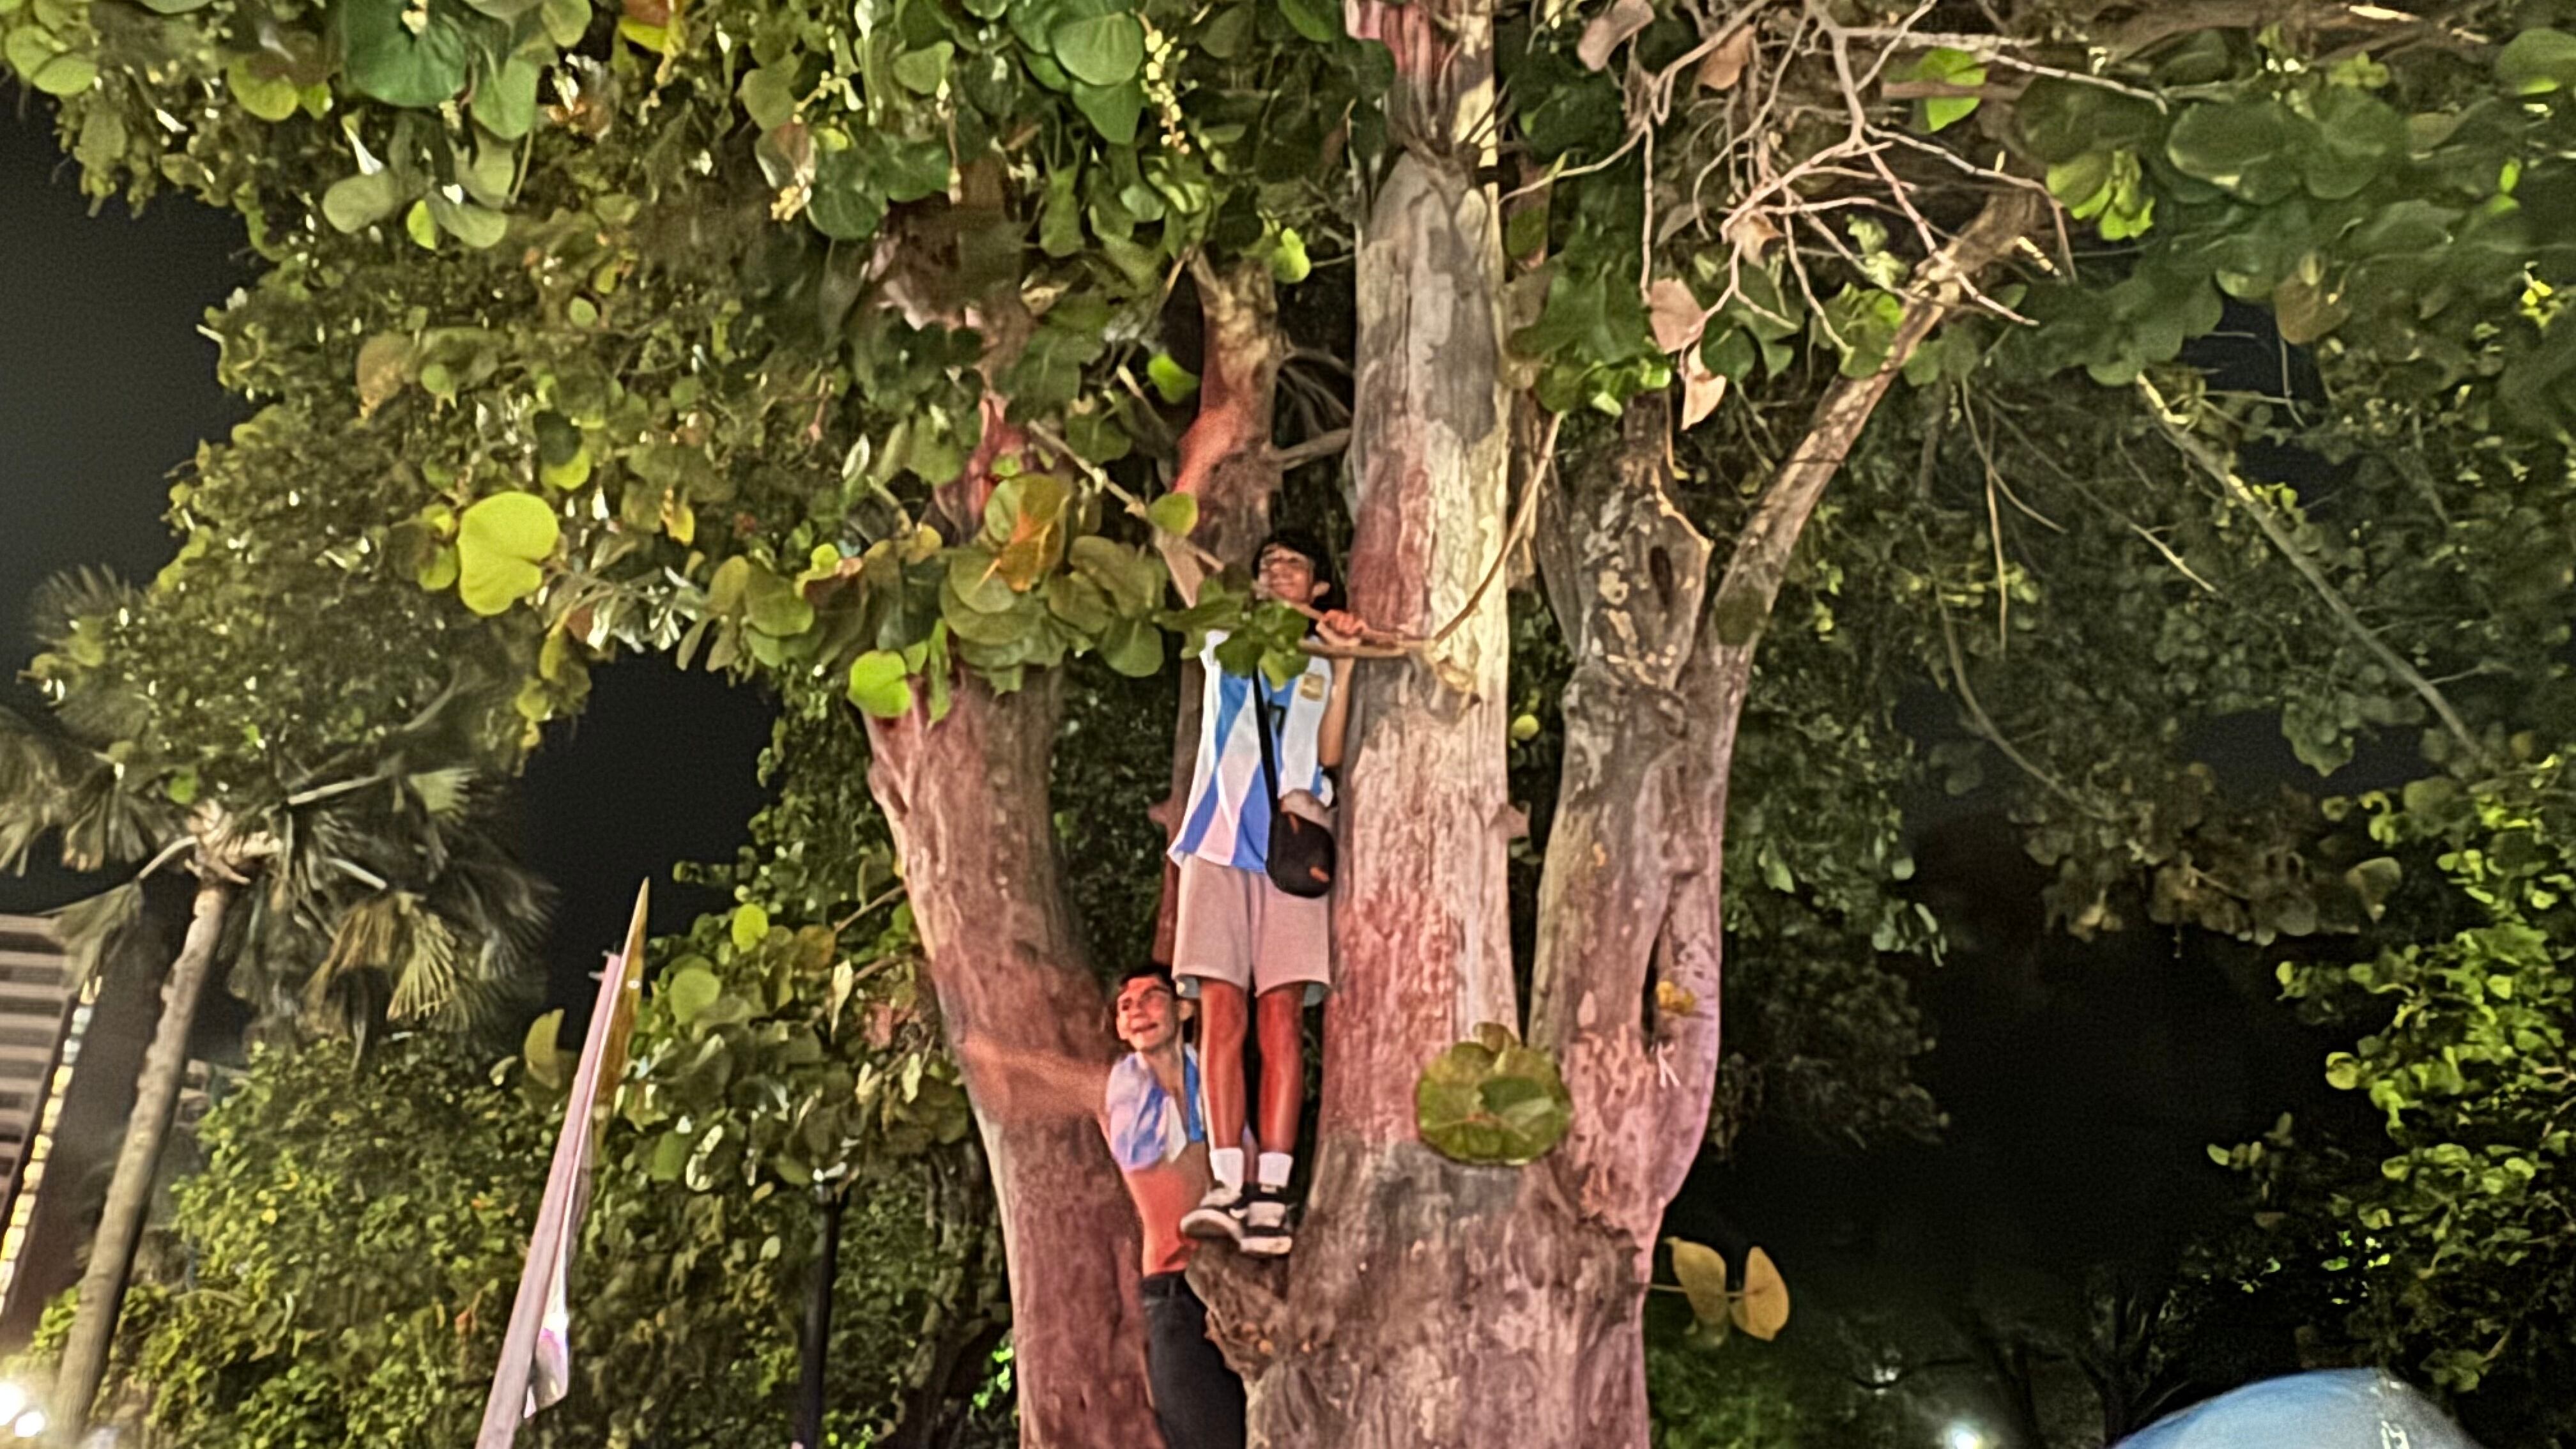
(1702, 1271)
(538, 1050)
(1764, 1309)
(384, 365)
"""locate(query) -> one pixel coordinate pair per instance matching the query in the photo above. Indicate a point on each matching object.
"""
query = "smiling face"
(1283, 573)
(1148, 1014)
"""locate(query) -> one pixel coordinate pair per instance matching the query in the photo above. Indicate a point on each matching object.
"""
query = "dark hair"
(1155, 969)
(1303, 544)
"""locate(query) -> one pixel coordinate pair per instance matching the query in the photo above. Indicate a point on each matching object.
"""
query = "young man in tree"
(1147, 1103)
(1242, 945)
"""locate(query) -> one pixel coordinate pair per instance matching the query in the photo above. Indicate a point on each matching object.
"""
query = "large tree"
(844, 345)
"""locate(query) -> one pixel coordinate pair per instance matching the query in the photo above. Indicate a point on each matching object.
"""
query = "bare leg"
(1283, 1066)
(1222, 1025)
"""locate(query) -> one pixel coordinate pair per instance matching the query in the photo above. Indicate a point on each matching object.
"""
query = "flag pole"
(558, 1229)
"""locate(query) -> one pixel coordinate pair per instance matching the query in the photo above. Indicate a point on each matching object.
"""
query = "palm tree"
(366, 889)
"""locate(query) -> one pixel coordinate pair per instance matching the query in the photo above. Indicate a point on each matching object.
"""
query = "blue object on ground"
(2336, 1409)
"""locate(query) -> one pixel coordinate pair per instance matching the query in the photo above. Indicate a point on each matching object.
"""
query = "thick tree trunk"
(129, 1194)
(1428, 1303)
(968, 801)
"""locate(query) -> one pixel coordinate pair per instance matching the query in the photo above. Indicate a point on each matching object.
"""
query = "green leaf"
(386, 60)
(922, 71)
(1175, 513)
(1176, 384)
(775, 606)
(355, 203)
(269, 97)
(1317, 20)
(880, 685)
(1101, 50)
(769, 94)
(499, 543)
(478, 227)
(565, 21)
(750, 926)
(506, 103)
(1228, 31)
(2224, 144)
(2537, 62)
(1492, 1100)
(1949, 67)
(47, 65)
(1131, 578)
(845, 207)
(438, 571)
(670, 1156)
(1060, 217)
(1096, 436)
(2374, 881)
(1289, 263)
(911, 170)
(2060, 120)
(1133, 647)
(1112, 110)
(538, 1048)
(692, 989)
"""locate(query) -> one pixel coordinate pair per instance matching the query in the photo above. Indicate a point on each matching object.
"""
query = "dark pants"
(1197, 1399)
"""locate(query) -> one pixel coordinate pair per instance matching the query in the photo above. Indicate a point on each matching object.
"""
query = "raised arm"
(1335, 632)
(1023, 1085)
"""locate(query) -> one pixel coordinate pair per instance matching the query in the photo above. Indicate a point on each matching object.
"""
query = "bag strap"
(1261, 722)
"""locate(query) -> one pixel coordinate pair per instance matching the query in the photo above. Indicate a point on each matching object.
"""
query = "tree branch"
(1684, 1043)
(1322, 445)
(2191, 446)
(1762, 550)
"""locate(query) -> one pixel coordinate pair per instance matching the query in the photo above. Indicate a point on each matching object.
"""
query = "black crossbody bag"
(1302, 857)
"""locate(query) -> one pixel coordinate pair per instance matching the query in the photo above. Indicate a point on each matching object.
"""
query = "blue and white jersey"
(1146, 1127)
(1229, 815)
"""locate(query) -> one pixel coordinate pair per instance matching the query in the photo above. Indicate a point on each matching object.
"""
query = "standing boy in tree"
(1147, 1106)
(1242, 945)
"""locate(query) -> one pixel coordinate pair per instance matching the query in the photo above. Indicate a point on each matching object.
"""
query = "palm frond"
(100, 711)
(59, 604)
(90, 929)
(428, 975)
(445, 794)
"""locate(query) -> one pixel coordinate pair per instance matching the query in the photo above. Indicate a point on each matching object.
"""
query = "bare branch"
(2192, 446)
(1322, 445)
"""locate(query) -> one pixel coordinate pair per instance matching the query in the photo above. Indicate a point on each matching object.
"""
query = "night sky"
(106, 386)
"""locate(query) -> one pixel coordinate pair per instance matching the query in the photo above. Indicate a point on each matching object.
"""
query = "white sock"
(1274, 1168)
(1226, 1164)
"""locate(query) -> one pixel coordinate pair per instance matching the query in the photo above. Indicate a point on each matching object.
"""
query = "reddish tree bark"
(968, 801)
(1228, 464)
(1429, 1301)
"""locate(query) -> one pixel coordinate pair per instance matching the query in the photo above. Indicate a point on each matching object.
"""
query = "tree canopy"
(850, 349)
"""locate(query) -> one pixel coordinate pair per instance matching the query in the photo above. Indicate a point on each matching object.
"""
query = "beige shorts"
(1236, 926)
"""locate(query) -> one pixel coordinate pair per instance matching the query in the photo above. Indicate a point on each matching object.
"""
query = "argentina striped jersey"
(1229, 815)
